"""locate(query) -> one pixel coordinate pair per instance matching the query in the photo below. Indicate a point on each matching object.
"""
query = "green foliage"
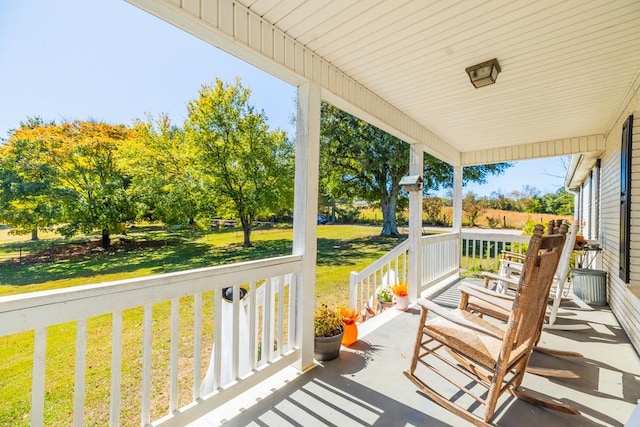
(86, 160)
(432, 209)
(529, 200)
(361, 161)
(66, 173)
(474, 207)
(28, 193)
(561, 202)
(347, 214)
(327, 322)
(166, 183)
(250, 167)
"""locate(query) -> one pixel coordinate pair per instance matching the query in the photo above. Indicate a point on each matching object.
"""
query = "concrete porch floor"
(365, 385)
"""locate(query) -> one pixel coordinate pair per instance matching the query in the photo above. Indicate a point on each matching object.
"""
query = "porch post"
(305, 209)
(416, 167)
(457, 209)
(457, 198)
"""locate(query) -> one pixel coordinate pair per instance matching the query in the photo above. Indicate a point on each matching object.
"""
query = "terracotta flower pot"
(350, 334)
(327, 348)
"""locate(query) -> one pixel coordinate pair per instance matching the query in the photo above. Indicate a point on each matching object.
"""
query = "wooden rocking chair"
(458, 346)
(498, 306)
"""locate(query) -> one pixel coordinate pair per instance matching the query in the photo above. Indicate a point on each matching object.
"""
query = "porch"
(365, 385)
(156, 337)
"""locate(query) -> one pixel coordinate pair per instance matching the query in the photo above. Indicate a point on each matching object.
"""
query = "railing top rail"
(499, 237)
(441, 237)
(40, 309)
(385, 259)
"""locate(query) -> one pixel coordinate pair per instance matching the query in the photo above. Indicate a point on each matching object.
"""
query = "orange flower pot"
(350, 334)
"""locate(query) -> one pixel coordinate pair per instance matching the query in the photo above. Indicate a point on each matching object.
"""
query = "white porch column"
(457, 198)
(457, 209)
(416, 167)
(305, 210)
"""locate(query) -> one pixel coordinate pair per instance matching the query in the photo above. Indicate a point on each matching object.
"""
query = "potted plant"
(400, 296)
(349, 318)
(328, 329)
(385, 296)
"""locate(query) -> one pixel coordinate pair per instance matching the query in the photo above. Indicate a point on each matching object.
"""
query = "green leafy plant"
(327, 322)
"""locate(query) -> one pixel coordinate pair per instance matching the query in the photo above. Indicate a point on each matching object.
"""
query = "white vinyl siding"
(623, 298)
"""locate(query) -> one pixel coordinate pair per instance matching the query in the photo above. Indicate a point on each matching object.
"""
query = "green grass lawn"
(341, 249)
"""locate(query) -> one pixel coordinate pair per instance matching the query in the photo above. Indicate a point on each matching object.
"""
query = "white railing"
(481, 251)
(439, 258)
(443, 255)
(391, 267)
(152, 339)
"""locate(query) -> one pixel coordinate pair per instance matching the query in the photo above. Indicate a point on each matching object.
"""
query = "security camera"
(411, 183)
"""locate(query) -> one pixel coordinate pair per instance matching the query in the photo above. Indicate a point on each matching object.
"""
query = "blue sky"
(110, 61)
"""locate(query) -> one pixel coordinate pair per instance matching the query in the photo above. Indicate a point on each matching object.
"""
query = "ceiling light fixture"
(484, 74)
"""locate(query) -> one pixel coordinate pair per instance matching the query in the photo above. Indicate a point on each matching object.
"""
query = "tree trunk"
(34, 234)
(106, 239)
(389, 225)
(246, 231)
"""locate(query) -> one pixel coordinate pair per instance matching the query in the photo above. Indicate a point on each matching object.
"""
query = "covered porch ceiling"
(568, 67)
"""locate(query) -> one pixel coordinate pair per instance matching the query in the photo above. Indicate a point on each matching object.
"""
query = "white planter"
(401, 303)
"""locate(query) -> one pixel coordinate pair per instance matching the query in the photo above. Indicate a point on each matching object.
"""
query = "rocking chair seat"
(481, 347)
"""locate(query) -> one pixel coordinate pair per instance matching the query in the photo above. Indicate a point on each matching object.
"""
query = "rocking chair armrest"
(492, 276)
(457, 319)
(512, 255)
(483, 293)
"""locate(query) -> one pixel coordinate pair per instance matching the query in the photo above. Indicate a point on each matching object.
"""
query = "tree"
(77, 174)
(28, 199)
(561, 202)
(250, 166)
(85, 155)
(165, 180)
(432, 207)
(28, 196)
(500, 201)
(359, 160)
(474, 207)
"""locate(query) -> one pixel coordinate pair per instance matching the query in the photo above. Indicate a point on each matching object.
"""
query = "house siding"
(623, 298)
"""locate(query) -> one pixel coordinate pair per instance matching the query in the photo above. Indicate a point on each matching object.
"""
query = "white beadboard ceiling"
(567, 66)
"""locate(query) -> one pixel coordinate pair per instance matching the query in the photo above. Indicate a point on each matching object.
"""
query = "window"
(625, 199)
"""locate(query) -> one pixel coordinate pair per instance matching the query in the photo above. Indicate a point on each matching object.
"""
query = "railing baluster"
(37, 382)
(235, 335)
(253, 331)
(79, 379)
(173, 358)
(217, 339)
(116, 367)
(267, 322)
(291, 343)
(146, 364)
(197, 344)
(280, 313)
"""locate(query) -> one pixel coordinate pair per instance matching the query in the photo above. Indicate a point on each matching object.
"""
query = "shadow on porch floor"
(365, 385)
